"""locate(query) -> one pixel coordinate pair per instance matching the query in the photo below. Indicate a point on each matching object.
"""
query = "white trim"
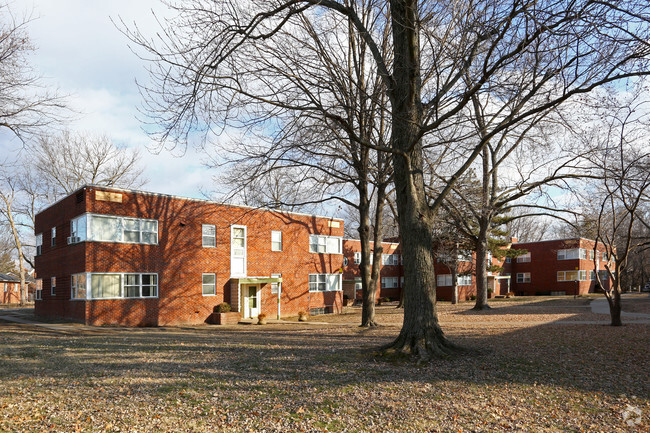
(203, 284)
(89, 289)
(234, 257)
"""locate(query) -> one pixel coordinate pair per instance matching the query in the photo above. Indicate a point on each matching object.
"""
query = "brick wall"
(352, 271)
(180, 260)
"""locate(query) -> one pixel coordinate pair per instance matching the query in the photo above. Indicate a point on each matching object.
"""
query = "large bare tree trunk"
(368, 284)
(421, 334)
(481, 270)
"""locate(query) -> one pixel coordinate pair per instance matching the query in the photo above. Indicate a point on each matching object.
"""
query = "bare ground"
(540, 365)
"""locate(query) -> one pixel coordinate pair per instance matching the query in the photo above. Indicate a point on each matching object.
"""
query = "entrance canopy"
(260, 280)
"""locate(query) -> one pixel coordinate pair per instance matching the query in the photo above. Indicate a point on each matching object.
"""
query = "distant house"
(114, 256)
(9, 289)
(391, 272)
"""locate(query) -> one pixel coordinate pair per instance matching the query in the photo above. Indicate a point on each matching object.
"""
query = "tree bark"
(368, 285)
(421, 335)
(483, 233)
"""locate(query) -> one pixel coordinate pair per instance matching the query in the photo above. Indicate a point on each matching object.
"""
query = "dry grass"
(525, 376)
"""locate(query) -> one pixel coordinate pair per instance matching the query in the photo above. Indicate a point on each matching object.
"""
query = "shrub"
(302, 315)
(224, 307)
(261, 319)
(472, 297)
(510, 295)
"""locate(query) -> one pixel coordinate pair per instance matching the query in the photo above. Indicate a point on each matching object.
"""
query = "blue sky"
(81, 52)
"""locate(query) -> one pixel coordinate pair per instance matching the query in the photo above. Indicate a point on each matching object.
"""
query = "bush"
(302, 315)
(510, 295)
(261, 319)
(472, 298)
(224, 307)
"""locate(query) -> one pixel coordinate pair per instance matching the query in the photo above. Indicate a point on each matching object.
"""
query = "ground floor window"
(444, 280)
(114, 285)
(276, 287)
(389, 282)
(324, 282)
(523, 277)
(572, 276)
(464, 280)
(78, 286)
(209, 284)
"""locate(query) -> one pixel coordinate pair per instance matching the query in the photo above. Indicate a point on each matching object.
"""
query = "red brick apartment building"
(114, 256)
(391, 272)
(9, 289)
(557, 267)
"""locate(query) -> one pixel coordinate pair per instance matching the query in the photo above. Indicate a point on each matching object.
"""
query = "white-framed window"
(524, 258)
(523, 277)
(464, 280)
(276, 241)
(38, 293)
(325, 244)
(53, 286)
(443, 280)
(209, 284)
(465, 256)
(605, 258)
(604, 276)
(5, 286)
(358, 285)
(209, 232)
(53, 237)
(112, 228)
(389, 282)
(39, 244)
(78, 286)
(572, 276)
(324, 282)
(591, 254)
(276, 287)
(78, 228)
(508, 260)
(592, 275)
(121, 285)
(572, 254)
(238, 251)
(357, 258)
(390, 259)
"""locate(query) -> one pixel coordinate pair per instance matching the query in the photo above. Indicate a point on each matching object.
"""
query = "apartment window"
(389, 282)
(465, 256)
(53, 237)
(209, 284)
(39, 244)
(390, 259)
(104, 286)
(525, 258)
(276, 287)
(572, 276)
(592, 275)
(38, 293)
(604, 276)
(591, 254)
(572, 254)
(464, 280)
(444, 280)
(109, 228)
(276, 241)
(5, 287)
(508, 260)
(238, 251)
(209, 235)
(604, 256)
(78, 286)
(358, 285)
(324, 282)
(325, 244)
(523, 277)
(357, 258)
(53, 286)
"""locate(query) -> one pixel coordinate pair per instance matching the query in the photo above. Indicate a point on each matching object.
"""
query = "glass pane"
(333, 245)
(237, 233)
(105, 286)
(149, 238)
(105, 228)
(132, 279)
(149, 226)
(238, 243)
(131, 224)
(131, 236)
(208, 279)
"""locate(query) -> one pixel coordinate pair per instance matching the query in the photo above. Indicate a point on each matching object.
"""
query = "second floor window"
(276, 241)
(209, 235)
(325, 244)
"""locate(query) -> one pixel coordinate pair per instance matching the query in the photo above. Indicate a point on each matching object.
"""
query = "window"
(603, 276)
(390, 259)
(592, 275)
(238, 252)
(524, 258)
(605, 256)
(78, 285)
(53, 237)
(5, 287)
(357, 258)
(276, 287)
(38, 294)
(209, 235)
(276, 241)
(325, 244)
(464, 280)
(78, 231)
(444, 280)
(389, 282)
(523, 277)
(39, 244)
(109, 228)
(104, 286)
(324, 282)
(572, 254)
(508, 260)
(591, 254)
(572, 276)
(358, 285)
(53, 286)
(209, 284)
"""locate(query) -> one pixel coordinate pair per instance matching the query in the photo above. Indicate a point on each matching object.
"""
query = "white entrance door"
(251, 301)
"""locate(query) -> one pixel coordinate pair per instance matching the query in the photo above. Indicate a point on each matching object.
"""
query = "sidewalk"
(600, 306)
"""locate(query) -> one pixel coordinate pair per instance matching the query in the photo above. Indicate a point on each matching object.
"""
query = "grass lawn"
(539, 365)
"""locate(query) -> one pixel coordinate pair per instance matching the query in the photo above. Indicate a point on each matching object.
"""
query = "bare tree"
(7, 261)
(621, 198)
(26, 106)
(70, 160)
(211, 70)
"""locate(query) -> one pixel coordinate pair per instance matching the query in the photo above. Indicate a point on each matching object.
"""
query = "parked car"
(646, 288)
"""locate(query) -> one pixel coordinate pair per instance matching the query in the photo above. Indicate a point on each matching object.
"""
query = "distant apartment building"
(391, 272)
(9, 289)
(122, 257)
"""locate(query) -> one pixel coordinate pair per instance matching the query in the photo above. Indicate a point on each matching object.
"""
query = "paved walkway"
(600, 306)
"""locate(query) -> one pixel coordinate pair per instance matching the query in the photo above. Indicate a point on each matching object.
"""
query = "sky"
(81, 52)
